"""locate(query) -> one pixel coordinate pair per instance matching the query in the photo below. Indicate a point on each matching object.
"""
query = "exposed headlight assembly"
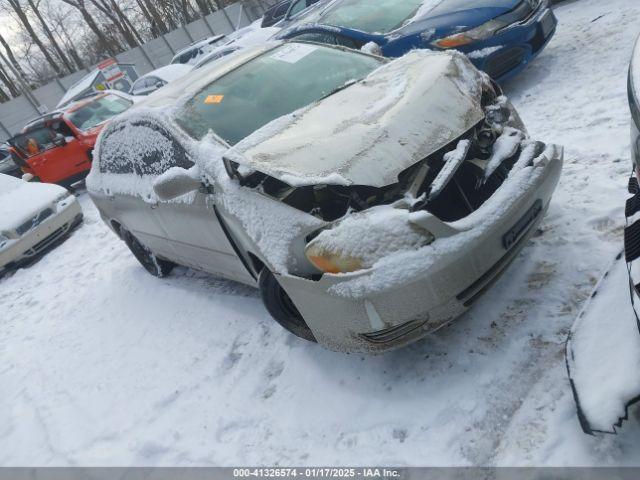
(362, 239)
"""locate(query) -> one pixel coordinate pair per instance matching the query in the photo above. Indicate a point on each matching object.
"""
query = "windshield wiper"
(339, 89)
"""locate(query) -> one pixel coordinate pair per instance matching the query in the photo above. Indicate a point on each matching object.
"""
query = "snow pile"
(452, 161)
(372, 48)
(505, 147)
(603, 353)
(370, 236)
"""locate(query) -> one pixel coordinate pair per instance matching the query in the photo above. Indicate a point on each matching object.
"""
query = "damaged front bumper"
(407, 296)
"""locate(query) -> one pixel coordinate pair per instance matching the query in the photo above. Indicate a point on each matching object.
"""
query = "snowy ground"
(101, 364)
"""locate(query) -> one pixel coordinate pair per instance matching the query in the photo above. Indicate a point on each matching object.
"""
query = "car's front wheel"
(152, 264)
(280, 306)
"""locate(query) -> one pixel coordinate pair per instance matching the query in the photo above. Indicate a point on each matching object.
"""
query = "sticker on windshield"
(293, 53)
(211, 99)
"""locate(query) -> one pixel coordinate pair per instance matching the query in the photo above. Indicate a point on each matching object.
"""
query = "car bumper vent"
(504, 61)
(632, 206)
(632, 242)
(394, 333)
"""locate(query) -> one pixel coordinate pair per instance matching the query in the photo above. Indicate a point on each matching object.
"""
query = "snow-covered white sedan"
(158, 78)
(370, 201)
(603, 349)
(33, 217)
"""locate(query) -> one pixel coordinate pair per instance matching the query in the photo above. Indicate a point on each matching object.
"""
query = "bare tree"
(103, 41)
(45, 27)
(26, 23)
(5, 78)
(11, 56)
(111, 10)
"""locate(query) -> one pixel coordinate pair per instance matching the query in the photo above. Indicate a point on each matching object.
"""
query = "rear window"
(270, 86)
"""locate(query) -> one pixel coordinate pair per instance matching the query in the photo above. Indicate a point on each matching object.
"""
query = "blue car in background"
(500, 36)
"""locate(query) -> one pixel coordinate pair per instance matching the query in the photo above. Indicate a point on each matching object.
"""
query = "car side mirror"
(27, 177)
(176, 182)
(59, 140)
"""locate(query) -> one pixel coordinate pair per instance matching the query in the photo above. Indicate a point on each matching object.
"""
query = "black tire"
(280, 306)
(152, 264)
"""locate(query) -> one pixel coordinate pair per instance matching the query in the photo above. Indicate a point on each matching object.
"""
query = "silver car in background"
(370, 201)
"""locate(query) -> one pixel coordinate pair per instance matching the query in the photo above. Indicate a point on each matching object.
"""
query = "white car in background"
(156, 79)
(33, 217)
(250, 36)
(190, 54)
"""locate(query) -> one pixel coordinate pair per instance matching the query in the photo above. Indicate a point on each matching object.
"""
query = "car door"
(190, 223)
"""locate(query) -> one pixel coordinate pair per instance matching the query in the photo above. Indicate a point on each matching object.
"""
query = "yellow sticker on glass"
(213, 99)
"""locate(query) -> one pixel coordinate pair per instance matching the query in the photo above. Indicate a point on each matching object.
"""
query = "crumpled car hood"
(371, 131)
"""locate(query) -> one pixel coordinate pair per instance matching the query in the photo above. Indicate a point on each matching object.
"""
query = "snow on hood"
(370, 132)
(20, 201)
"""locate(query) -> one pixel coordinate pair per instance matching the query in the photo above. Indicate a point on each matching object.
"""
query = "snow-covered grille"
(34, 221)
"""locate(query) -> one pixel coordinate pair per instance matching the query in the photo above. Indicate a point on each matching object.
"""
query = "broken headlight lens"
(332, 262)
(362, 239)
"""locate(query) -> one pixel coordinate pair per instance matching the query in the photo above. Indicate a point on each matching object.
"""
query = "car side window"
(35, 141)
(281, 11)
(138, 85)
(298, 6)
(141, 148)
(329, 39)
(152, 82)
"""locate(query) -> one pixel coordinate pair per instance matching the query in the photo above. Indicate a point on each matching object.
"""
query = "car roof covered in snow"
(169, 73)
(199, 44)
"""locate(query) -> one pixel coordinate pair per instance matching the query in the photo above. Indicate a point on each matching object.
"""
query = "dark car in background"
(7, 165)
(288, 9)
(499, 36)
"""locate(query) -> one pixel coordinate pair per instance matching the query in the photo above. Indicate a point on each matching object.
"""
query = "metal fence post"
(209, 27)
(62, 87)
(147, 57)
(186, 30)
(5, 130)
(166, 42)
(224, 12)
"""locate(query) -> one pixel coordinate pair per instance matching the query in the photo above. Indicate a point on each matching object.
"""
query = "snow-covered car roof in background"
(169, 73)
(250, 38)
(199, 44)
(20, 200)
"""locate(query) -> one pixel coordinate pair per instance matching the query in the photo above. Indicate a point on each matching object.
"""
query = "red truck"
(57, 147)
